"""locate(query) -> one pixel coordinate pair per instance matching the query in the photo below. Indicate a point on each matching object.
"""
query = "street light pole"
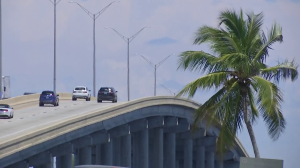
(128, 40)
(1, 51)
(54, 73)
(94, 55)
(155, 66)
(170, 91)
(94, 17)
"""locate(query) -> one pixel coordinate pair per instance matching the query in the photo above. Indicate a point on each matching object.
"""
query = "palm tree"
(246, 86)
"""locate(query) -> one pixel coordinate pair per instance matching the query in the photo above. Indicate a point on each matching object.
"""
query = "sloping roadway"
(44, 127)
(30, 116)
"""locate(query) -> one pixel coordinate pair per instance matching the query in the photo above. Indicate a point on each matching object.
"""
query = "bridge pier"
(170, 150)
(188, 153)
(144, 150)
(200, 161)
(157, 150)
(210, 161)
(21, 164)
(98, 149)
(42, 160)
(116, 146)
(64, 161)
(108, 153)
(218, 164)
(85, 155)
(126, 151)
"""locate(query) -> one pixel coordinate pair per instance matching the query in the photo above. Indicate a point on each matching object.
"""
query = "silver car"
(6, 111)
(81, 92)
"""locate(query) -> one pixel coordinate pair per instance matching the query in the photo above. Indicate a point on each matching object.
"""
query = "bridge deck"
(30, 118)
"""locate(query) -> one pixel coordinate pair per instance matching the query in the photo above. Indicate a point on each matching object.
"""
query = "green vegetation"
(246, 86)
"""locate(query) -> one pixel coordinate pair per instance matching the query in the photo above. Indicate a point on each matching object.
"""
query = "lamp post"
(1, 50)
(128, 40)
(94, 16)
(54, 2)
(155, 66)
(170, 91)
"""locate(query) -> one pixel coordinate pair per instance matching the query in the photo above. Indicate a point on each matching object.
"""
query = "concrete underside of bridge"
(153, 136)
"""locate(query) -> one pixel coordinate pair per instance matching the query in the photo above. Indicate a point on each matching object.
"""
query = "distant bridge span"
(152, 132)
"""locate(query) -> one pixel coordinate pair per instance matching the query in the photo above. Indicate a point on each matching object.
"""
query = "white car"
(6, 111)
(81, 92)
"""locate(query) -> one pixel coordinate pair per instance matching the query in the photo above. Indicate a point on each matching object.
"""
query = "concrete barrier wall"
(34, 98)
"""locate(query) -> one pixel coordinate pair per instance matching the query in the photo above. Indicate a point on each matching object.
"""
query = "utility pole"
(170, 91)
(94, 16)
(128, 40)
(54, 71)
(155, 66)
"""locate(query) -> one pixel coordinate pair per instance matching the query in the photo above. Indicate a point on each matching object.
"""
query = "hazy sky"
(28, 51)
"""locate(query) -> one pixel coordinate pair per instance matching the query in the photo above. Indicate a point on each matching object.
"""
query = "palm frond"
(213, 109)
(236, 61)
(254, 24)
(206, 108)
(281, 72)
(220, 40)
(224, 110)
(254, 112)
(205, 34)
(198, 60)
(212, 80)
(269, 102)
(226, 136)
(235, 25)
(275, 35)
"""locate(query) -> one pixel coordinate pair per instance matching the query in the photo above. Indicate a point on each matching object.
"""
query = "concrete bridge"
(152, 132)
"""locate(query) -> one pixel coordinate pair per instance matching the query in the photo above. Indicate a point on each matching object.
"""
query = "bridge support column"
(170, 150)
(210, 160)
(136, 150)
(76, 157)
(157, 150)
(64, 161)
(144, 139)
(43, 160)
(219, 164)
(200, 155)
(98, 154)
(177, 164)
(47, 165)
(21, 164)
(116, 151)
(85, 155)
(108, 153)
(44, 166)
(126, 151)
(188, 153)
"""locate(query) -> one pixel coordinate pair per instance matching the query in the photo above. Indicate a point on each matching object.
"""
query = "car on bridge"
(6, 111)
(81, 92)
(49, 97)
(107, 94)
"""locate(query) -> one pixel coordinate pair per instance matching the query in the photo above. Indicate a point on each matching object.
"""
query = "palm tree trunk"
(250, 129)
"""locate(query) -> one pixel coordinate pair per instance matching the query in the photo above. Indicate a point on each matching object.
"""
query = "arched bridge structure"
(152, 132)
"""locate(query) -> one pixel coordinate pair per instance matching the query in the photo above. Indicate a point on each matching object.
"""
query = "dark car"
(49, 97)
(108, 94)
